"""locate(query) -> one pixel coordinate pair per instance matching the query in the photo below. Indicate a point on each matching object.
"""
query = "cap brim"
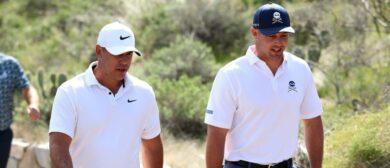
(122, 49)
(271, 31)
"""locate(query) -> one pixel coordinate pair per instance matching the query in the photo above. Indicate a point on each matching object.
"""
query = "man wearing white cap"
(105, 116)
(258, 100)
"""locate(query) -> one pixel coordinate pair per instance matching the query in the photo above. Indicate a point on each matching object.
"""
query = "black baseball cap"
(272, 18)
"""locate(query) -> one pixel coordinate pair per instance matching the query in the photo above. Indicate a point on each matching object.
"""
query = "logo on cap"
(277, 18)
(122, 38)
(272, 18)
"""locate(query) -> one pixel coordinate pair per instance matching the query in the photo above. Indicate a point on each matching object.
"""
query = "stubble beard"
(275, 56)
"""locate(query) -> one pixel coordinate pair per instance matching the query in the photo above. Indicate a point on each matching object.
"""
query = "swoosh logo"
(129, 101)
(122, 38)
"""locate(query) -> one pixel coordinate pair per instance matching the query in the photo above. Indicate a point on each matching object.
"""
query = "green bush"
(61, 34)
(46, 84)
(182, 104)
(360, 87)
(369, 86)
(223, 25)
(360, 142)
(185, 56)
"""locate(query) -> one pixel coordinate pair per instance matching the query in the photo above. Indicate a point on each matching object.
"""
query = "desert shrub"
(182, 104)
(46, 84)
(360, 142)
(223, 25)
(357, 78)
(370, 87)
(184, 56)
(60, 33)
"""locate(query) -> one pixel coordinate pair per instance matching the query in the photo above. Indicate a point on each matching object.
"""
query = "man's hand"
(32, 99)
(33, 112)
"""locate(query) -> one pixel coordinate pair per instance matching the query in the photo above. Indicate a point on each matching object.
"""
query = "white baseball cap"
(117, 39)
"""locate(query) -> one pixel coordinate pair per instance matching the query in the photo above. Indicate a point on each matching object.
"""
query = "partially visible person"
(104, 117)
(258, 100)
(12, 79)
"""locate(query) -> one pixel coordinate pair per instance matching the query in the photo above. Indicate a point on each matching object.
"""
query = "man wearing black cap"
(102, 117)
(258, 100)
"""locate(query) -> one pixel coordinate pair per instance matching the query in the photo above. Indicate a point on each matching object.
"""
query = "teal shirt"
(12, 78)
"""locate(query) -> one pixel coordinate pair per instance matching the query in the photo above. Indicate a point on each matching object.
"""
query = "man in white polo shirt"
(102, 117)
(258, 100)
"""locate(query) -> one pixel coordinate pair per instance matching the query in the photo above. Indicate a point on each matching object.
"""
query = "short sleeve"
(20, 78)
(222, 102)
(152, 126)
(63, 115)
(311, 106)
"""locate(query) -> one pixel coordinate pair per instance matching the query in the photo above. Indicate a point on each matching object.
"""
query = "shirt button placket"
(274, 84)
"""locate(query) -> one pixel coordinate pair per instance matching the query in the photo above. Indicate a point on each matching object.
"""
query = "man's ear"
(98, 50)
(254, 32)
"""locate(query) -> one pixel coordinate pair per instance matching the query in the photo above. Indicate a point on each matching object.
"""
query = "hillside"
(346, 42)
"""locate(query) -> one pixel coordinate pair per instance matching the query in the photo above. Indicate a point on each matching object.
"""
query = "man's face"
(114, 67)
(270, 47)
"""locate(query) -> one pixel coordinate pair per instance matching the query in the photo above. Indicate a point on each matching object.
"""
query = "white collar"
(91, 80)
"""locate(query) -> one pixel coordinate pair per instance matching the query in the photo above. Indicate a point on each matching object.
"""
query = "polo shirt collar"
(90, 78)
(253, 59)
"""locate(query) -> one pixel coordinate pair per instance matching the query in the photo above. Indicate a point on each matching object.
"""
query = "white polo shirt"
(262, 111)
(106, 130)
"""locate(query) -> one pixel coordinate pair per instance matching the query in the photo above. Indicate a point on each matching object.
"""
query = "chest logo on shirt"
(3, 75)
(291, 86)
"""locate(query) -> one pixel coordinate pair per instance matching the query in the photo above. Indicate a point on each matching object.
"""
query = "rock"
(29, 160)
(42, 155)
(18, 148)
(12, 163)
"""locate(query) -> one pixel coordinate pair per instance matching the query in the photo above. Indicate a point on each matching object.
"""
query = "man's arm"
(215, 146)
(314, 140)
(59, 150)
(152, 153)
(32, 99)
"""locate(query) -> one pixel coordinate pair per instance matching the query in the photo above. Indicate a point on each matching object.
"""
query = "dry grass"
(180, 153)
(30, 132)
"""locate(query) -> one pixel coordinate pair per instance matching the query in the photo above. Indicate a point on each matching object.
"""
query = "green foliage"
(185, 56)
(257, 3)
(334, 114)
(46, 92)
(311, 36)
(35, 8)
(369, 86)
(379, 10)
(183, 42)
(205, 20)
(209, 21)
(314, 53)
(62, 33)
(355, 75)
(182, 104)
(362, 141)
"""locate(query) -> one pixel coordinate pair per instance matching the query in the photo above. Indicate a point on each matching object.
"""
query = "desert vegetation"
(346, 42)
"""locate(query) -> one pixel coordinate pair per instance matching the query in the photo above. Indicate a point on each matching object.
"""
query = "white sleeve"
(222, 102)
(311, 105)
(63, 115)
(152, 125)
